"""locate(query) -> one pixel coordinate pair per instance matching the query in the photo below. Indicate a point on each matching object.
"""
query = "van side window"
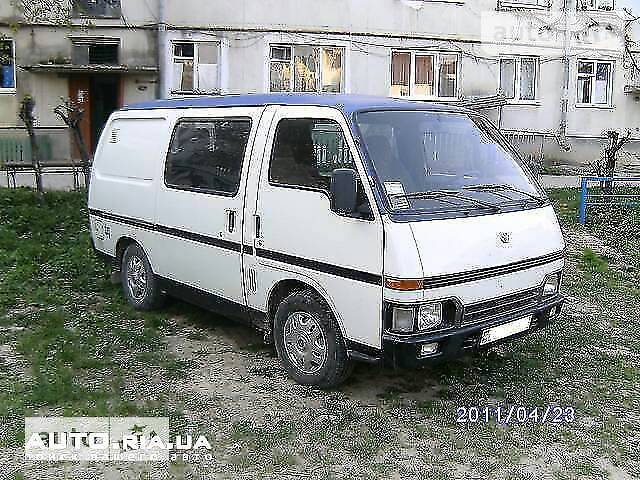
(306, 151)
(207, 155)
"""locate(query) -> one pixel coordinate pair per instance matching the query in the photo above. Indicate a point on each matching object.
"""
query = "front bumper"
(404, 351)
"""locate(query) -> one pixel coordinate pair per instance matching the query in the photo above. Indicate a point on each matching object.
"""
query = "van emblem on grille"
(504, 237)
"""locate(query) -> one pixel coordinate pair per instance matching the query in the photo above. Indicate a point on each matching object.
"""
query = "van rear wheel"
(309, 342)
(138, 281)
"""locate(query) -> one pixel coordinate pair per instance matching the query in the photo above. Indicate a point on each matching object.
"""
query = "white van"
(344, 227)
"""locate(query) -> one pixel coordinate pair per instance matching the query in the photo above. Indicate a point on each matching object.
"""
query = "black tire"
(336, 367)
(148, 297)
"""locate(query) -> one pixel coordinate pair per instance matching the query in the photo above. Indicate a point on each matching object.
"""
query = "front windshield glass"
(433, 161)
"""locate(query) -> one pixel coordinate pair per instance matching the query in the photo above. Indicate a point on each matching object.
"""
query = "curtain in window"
(601, 92)
(508, 77)
(584, 89)
(424, 75)
(183, 55)
(528, 73)
(208, 67)
(280, 70)
(400, 73)
(183, 75)
(332, 70)
(448, 76)
(280, 80)
(305, 64)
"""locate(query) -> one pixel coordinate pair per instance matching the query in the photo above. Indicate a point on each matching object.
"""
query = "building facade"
(553, 74)
(85, 51)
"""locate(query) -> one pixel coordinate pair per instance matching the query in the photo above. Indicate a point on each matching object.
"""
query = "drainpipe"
(564, 101)
(163, 50)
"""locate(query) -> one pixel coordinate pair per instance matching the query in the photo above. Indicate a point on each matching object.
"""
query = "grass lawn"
(70, 345)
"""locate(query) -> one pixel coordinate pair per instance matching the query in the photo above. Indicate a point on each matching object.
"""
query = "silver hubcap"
(305, 342)
(136, 277)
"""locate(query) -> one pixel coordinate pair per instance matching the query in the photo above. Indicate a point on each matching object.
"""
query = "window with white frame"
(604, 5)
(519, 78)
(303, 68)
(195, 67)
(425, 74)
(594, 83)
(7, 66)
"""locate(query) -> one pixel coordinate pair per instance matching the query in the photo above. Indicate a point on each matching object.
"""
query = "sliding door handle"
(231, 221)
(258, 226)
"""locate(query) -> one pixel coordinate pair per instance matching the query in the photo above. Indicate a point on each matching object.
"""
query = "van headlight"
(403, 319)
(429, 316)
(551, 285)
(420, 318)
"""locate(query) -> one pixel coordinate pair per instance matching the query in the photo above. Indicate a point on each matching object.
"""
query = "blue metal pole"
(583, 202)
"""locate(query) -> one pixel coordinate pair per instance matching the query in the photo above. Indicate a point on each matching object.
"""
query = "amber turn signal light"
(403, 284)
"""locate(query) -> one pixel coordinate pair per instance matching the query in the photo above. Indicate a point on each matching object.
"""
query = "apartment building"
(84, 51)
(553, 74)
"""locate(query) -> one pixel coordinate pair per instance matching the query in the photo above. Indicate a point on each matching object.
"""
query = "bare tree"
(615, 142)
(71, 114)
(44, 11)
(26, 115)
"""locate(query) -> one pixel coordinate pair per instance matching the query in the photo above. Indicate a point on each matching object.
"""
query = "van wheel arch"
(121, 246)
(282, 290)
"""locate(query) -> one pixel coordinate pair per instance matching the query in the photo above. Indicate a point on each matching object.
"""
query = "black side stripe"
(482, 273)
(336, 270)
(248, 249)
(196, 237)
(174, 232)
(118, 218)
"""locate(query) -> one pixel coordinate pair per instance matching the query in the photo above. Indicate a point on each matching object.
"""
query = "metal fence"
(16, 150)
(608, 199)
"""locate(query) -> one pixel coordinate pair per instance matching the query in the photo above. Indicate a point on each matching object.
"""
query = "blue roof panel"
(346, 103)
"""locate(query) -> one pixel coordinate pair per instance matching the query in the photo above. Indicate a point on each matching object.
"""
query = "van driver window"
(306, 151)
(207, 155)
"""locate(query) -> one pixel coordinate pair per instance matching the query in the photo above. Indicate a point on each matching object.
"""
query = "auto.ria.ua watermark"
(103, 439)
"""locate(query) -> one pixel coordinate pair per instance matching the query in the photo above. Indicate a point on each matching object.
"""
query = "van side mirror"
(344, 191)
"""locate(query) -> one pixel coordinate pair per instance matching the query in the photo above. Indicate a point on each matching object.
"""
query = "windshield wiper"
(438, 194)
(496, 187)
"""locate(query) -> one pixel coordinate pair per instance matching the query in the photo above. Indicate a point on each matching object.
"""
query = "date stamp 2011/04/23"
(514, 414)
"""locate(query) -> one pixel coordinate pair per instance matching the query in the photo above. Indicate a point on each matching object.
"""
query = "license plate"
(505, 330)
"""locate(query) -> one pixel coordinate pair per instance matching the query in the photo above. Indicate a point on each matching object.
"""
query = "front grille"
(500, 306)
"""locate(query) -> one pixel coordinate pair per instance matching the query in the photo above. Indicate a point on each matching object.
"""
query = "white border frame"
(11, 90)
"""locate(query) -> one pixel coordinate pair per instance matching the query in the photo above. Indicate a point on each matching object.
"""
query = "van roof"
(344, 102)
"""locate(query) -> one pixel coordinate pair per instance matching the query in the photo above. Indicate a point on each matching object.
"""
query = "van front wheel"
(309, 341)
(138, 281)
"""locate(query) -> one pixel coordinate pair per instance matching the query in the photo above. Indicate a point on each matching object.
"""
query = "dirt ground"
(216, 378)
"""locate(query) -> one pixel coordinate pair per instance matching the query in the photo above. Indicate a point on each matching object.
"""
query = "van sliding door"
(200, 202)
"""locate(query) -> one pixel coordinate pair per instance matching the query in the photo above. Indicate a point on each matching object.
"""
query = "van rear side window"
(207, 155)
(306, 151)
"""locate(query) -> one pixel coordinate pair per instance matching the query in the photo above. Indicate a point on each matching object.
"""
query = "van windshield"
(437, 161)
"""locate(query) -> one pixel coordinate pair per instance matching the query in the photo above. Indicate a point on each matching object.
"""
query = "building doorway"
(98, 95)
(104, 95)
